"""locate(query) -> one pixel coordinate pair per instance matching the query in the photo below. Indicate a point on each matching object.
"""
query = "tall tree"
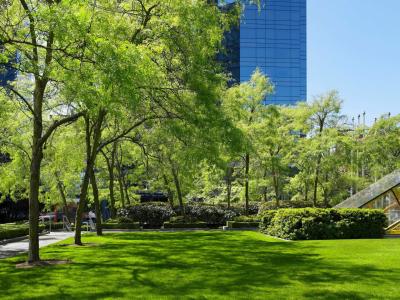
(245, 104)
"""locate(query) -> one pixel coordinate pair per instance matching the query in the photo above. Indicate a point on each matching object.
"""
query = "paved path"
(12, 249)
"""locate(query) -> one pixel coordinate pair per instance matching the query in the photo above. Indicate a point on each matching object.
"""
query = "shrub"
(319, 224)
(168, 225)
(356, 223)
(121, 225)
(177, 219)
(124, 220)
(151, 214)
(236, 224)
(210, 214)
(10, 231)
(271, 205)
(266, 218)
(253, 218)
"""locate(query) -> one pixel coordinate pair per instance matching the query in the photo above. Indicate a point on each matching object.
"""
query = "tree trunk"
(61, 190)
(306, 190)
(229, 173)
(169, 191)
(316, 179)
(95, 190)
(37, 155)
(178, 189)
(276, 186)
(246, 186)
(36, 160)
(125, 186)
(91, 152)
(110, 166)
(121, 184)
(228, 192)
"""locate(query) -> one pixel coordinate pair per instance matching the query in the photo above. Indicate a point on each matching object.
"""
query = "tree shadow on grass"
(196, 265)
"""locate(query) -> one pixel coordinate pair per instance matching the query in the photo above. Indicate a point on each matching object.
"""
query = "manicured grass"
(209, 265)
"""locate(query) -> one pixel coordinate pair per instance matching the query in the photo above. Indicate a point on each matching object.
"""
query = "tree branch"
(9, 87)
(59, 123)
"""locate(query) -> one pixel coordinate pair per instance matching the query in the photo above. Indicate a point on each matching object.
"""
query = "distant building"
(274, 39)
(6, 72)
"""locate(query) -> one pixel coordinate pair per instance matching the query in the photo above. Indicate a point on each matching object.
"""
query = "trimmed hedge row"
(10, 231)
(169, 225)
(210, 214)
(154, 214)
(237, 225)
(121, 225)
(322, 224)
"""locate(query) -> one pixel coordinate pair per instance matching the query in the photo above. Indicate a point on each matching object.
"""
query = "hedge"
(210, 214)
(121, 225)
(154, 214)
(151, 214)
(237, 225)
(168, 225)
(322, 224)
(266, 218)
(10, 231)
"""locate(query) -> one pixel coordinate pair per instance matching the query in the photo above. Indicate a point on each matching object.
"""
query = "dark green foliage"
(152, 214)
(285, 204)
(168, 225)
(236, 224)
(10, 231)
(253, 218)
(322, 224)
(266, 217)
(121, 225)
(122, 220)
(210, 214)
(358, 223)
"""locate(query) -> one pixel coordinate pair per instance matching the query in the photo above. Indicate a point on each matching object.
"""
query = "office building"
(272, 37)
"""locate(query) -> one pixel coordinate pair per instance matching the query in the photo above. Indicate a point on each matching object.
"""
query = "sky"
(354, 47)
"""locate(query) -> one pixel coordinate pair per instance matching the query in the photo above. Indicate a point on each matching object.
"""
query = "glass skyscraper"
(6, 72)
(274, 39)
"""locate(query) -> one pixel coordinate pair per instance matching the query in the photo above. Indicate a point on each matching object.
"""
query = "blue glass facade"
(274, 39)
(6, 75)
(6, 72)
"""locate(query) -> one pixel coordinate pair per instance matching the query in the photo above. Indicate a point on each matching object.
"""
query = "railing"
(66, 224)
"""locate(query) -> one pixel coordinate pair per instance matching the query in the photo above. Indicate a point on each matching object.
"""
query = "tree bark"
(229, 173)
(110, 166)
(91, 152)
(120, 183)
(36, 160)
(316, 179)
(276, 186)
(99, 229)
(246, 186)
(169, 191)
(61, 190)
(37, 155)
(306, 187)
(178, 189)
(126, 190)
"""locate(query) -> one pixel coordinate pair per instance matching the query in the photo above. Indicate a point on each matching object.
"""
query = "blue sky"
(354, 47)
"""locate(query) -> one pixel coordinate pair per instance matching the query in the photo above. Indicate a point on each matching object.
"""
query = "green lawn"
(209, 265)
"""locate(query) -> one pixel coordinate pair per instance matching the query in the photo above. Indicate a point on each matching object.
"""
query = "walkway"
(12, 249)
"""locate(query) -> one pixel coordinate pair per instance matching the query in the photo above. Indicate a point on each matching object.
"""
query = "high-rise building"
(7, 73)
(272, 37)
